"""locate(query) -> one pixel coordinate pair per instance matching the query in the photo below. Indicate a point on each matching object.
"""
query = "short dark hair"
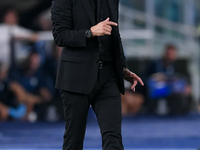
(170, 46)
(6, 10)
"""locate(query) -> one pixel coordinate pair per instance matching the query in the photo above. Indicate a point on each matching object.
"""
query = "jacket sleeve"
(122, 56)
(63, 33)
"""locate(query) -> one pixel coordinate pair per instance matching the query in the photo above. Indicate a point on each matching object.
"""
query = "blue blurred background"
(161, 42)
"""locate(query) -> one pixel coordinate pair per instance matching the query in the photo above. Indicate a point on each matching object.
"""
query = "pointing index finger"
(140, 80)
(111, 23)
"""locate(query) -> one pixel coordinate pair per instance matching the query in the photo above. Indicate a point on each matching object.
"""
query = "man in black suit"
(91, 69)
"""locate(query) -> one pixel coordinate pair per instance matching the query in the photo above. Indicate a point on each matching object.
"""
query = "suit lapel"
(89, 11)
(113, 5)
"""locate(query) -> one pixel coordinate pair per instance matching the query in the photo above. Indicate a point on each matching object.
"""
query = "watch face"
(88, 34)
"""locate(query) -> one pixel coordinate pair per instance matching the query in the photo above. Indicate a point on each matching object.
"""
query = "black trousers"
(105, 100)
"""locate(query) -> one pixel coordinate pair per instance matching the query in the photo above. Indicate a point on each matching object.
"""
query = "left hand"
(132, 78)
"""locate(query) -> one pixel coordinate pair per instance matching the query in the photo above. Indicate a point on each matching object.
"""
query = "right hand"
(103, 28)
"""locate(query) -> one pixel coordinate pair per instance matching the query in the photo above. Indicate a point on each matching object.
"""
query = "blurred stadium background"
(161, 40)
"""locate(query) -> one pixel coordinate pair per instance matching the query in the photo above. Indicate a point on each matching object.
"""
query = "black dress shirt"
(102, 12)
(94, 8)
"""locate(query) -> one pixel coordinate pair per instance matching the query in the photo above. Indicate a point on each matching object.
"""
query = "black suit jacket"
(78, 67)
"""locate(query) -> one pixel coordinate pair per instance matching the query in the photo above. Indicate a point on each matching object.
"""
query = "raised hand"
(103, 28)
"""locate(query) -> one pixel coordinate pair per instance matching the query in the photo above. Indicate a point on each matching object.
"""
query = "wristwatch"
(88, 34)
(125, 69)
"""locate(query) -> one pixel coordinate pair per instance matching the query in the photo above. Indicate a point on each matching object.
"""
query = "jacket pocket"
(70, 58)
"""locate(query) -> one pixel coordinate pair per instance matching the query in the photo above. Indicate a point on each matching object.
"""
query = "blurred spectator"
(51, 65)
(44, 44)
(54, 110)
(36, 84)
(10, 29)
(12, 98)
(165, 64)
(167, 90)
(131, 103)
(43, 21)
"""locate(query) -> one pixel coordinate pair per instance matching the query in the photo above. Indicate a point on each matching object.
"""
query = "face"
(34, 62)
(45, 23)
(170, 54)
(3, 73)
(11, 18)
